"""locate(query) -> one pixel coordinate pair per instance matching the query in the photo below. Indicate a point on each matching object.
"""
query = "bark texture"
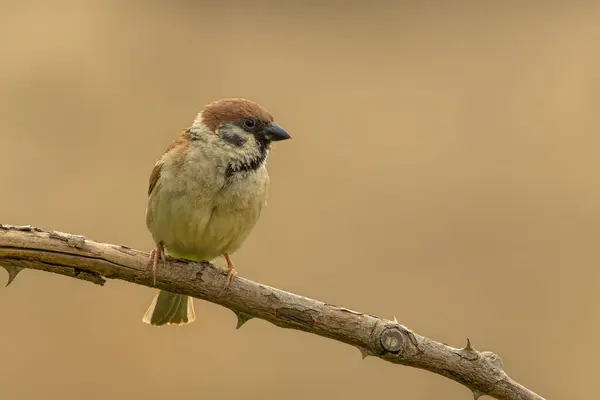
(78, 257)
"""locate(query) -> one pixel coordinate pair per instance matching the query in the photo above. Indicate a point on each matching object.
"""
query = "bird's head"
(240, 130)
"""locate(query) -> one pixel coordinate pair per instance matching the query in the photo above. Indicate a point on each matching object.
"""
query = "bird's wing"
(182, 140)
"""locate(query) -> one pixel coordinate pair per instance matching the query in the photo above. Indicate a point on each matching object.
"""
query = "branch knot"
(392, 339)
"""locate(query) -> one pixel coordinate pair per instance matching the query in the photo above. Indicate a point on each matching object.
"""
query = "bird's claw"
(230, 274)
(155, 255)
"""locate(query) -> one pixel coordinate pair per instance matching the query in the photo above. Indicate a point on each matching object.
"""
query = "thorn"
(395, 320)
(241, 319)
(469, 347)
(12, 273)
(476, 394)
(363, 352)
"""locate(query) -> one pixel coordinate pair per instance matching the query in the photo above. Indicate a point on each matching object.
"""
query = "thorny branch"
(81, 258)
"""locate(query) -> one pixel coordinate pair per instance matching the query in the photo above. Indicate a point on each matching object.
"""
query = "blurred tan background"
(443, 170)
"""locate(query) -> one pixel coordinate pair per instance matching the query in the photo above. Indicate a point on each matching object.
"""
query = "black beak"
(274, 132)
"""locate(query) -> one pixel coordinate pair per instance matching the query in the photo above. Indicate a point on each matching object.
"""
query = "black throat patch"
(251, 164)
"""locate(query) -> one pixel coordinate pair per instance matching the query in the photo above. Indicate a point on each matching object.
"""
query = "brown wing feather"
(154, 177)
(182, 140)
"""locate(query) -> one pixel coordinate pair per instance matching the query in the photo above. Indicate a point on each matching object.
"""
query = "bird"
(206, 194)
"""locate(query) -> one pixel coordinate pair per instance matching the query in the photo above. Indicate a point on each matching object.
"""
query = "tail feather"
(170, 309)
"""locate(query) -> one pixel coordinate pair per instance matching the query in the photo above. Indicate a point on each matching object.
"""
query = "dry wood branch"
(78, 257)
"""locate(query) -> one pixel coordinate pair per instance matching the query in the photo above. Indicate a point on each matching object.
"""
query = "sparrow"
(206, 193)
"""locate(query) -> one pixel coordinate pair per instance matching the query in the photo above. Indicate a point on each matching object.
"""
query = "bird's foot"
(156, 255)
(231, 272)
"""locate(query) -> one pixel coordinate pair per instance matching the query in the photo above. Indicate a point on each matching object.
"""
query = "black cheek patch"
(233, 138)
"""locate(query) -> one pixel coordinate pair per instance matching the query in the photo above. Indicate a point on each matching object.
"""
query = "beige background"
(443, 170)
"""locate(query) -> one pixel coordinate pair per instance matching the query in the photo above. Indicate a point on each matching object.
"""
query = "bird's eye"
(249, 123)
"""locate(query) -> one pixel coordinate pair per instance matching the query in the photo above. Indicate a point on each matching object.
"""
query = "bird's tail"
(170, 309)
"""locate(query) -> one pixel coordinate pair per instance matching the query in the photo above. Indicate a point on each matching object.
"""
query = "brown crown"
(231, 110)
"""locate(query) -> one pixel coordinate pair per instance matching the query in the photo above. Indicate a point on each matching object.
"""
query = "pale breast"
(236, 210)
(201, 216)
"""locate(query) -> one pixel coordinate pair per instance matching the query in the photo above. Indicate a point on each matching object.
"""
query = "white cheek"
(250, 147)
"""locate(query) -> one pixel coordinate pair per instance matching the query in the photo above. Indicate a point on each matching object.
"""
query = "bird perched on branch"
(207, 192)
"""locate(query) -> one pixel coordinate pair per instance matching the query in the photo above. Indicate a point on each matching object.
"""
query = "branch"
(81, 258)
